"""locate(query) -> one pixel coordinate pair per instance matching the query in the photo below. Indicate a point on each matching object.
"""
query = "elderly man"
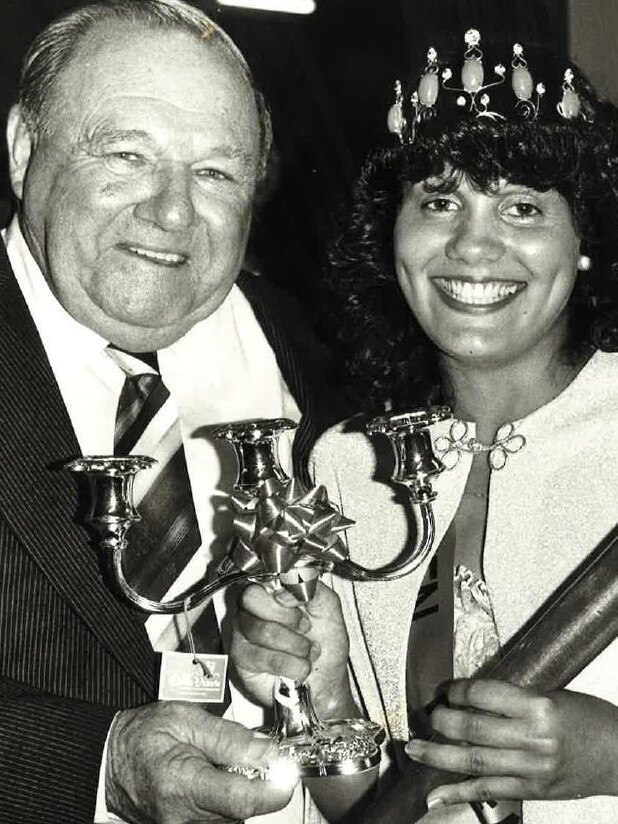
(136, 150)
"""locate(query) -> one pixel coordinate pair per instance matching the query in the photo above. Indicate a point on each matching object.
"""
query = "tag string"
(196, 660)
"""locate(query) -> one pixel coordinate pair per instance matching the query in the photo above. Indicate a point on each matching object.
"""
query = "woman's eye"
(440, 204)
(522, 209)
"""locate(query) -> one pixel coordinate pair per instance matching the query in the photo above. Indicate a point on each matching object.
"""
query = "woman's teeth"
(478, 294)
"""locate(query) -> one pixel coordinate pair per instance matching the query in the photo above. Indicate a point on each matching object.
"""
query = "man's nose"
(475, 239)
(170, 205)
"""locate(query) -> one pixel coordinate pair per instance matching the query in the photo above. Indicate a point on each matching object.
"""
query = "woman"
(477, 270)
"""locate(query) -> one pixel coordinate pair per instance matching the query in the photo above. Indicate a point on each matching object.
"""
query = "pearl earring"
(584, 264)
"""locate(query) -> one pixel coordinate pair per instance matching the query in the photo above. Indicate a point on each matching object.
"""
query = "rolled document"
(574, 625)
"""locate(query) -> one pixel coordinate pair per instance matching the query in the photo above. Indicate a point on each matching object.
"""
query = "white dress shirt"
(222, 370)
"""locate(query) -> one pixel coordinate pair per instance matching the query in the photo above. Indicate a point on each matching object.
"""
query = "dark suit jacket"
(71, 655)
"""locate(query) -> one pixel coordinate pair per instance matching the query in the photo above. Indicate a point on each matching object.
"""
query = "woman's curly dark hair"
(390, 361)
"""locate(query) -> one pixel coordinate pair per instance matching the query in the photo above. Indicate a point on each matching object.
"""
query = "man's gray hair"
(53, 48)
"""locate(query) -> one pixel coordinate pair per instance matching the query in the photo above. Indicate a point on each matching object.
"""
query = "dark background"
(329, 79)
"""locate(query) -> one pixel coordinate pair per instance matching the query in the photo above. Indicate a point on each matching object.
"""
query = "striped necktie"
(168, 536)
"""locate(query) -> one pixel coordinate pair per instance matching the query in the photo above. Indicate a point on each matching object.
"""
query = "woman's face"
(487, 276)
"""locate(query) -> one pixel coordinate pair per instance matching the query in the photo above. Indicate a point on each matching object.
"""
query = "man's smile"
(164, 258)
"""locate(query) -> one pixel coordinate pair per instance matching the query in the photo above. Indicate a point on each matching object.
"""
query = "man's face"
(137, 202)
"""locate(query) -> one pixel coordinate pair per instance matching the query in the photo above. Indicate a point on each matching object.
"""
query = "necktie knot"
(141, 398)
(119, 355)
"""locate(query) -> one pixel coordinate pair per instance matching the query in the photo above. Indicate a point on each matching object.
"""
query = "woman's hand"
(521, 744)
(273, 636)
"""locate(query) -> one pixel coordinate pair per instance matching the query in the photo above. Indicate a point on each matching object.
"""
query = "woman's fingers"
(477, 789)
(496, 714)
(273, 635)
(252, 659)
(268, 637)
(474, 760)
(476, 727)
(498, 697)
(260, 603)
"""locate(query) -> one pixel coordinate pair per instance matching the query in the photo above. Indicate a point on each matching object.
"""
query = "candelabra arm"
(407, 562)
(191, 598)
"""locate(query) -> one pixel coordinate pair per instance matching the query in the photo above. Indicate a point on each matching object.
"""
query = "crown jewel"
(472, 94)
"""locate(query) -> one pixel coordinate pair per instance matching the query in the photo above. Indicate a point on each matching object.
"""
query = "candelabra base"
(340, 797)
(343, 747)
(339, 764)
(338, 761)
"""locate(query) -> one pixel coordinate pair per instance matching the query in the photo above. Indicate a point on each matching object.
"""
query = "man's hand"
(161, 767)
(522, 744)
(273, 636)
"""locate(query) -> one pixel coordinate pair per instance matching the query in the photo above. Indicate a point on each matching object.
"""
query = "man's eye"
(126, 163)
(131, 157)
(125, 159)
(212, 174)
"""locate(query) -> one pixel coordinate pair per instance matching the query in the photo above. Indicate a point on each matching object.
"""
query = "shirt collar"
(60, 332)
(66, 340)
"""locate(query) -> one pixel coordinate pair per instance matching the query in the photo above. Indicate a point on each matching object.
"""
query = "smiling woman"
(498, 193)
(479, 269)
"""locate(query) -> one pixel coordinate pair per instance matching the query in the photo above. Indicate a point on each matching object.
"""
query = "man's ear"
(20, 145)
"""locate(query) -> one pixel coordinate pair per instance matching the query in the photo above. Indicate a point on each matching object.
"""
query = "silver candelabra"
(285, 536)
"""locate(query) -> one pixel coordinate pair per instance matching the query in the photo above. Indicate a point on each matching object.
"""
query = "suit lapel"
(39, 499)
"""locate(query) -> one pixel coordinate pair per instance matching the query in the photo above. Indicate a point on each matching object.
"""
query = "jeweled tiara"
(473, 95)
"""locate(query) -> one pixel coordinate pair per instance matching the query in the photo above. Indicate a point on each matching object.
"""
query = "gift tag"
(188, 677)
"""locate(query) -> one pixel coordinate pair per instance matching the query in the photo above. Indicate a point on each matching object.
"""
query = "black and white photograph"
(309, 412)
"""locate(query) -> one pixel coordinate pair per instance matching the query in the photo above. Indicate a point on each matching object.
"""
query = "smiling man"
(136, 151)
(137, 191)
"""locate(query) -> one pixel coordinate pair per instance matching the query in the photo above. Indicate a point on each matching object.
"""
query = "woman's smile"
(463, 293)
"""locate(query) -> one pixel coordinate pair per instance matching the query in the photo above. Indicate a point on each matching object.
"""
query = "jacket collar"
(39, 499)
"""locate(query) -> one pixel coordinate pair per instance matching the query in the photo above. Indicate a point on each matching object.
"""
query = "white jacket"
(548, 508)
